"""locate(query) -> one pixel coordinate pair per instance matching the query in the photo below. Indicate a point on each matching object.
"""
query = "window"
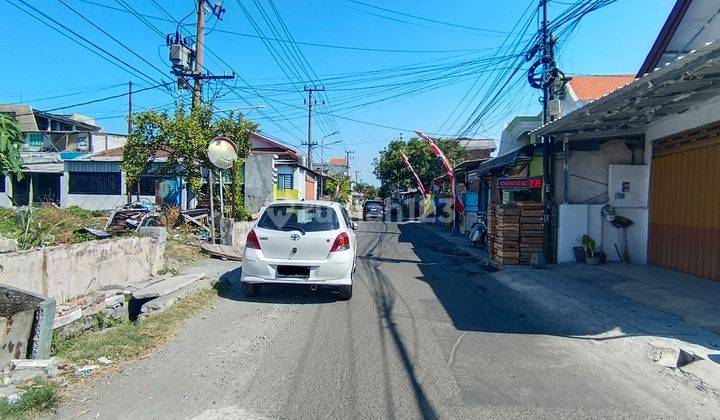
(95, 183)
(285, 182)
(147, 185)
(305, 218)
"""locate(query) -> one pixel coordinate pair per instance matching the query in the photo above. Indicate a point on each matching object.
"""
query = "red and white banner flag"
(459, 207)
(417, 178)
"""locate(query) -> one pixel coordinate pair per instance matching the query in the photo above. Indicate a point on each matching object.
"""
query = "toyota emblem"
(295, 237)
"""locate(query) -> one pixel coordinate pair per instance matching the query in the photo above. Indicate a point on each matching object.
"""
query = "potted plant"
(590, 246)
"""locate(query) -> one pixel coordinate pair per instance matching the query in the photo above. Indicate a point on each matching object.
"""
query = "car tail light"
(342, 243)
(252, 240)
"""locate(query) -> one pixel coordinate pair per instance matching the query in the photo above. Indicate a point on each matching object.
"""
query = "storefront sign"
(520, 183)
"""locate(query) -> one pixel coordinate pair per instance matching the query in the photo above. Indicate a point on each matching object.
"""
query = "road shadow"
(229, 287)
(475, 301)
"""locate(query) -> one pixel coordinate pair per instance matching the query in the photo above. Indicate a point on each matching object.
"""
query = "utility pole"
(347, 162)
(199, 47)
(310, 143)
(356, 176)
(548, 150)
(128, 188)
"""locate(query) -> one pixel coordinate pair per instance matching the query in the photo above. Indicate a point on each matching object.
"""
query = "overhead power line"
(103, 99)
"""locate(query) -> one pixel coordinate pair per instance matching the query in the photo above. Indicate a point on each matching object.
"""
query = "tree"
(184, 137)
(370, 191)
(391, 171)
(11, 140)
(331, 186)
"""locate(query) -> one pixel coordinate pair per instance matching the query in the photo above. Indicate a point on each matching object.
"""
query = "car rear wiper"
(294, 227)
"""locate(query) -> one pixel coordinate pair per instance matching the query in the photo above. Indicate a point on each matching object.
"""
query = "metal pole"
(233, 187)
(200, 37)
(212, 206)
(222, 200)
(566, 157)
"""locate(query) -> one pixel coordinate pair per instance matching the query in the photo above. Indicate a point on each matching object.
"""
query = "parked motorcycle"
(478, 233)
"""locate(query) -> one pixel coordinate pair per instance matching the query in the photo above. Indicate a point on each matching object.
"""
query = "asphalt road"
(427, 334)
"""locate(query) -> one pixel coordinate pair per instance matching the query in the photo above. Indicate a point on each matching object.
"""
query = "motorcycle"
(478, 233)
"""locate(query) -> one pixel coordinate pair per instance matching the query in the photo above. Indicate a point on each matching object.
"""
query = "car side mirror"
(354, 225)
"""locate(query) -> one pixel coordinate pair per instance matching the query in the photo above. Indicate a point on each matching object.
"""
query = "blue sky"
(438, 63)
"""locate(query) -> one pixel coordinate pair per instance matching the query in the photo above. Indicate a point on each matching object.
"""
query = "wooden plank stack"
(506, 243)
(531, 230)
(491, 227)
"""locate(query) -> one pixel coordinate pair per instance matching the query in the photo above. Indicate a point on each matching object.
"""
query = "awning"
(469, 165)
(527, 151)
(43, 168)
(673, 89)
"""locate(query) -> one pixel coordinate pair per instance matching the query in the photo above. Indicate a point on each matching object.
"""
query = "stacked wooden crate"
(491, 226)
(506, 245)
(531, 230)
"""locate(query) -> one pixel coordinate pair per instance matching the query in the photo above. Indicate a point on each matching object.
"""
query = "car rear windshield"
(373, 203)
(305, 218)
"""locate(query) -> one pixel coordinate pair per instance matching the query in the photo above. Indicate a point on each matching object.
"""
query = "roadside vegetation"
(46, 226)
(128, 340)
(39, 397)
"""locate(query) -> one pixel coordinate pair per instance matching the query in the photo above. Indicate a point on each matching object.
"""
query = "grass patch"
(38, 398)
(129, 340)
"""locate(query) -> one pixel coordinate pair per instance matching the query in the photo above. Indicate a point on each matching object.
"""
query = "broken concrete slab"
(85, 370)
(46, 365)
(225, 252)
(18, 377)
(74, 315)
(163, 302)
(167, 286)
(705, 370)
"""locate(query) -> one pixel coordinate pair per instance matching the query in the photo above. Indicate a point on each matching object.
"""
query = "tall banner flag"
(420, 186)
(459, 207)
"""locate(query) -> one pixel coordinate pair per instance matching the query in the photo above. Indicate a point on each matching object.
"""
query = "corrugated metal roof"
(673, 89)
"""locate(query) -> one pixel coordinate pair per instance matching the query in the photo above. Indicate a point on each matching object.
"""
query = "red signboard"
(520, 183)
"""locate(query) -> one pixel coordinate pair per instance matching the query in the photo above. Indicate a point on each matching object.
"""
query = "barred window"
(95, 183)
(147, 185)
(285, 181)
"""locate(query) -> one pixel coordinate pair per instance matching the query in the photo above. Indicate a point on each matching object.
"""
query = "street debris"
(86, 370)
(224, 252)
(133, 216)
(97, 233)
(104, 361)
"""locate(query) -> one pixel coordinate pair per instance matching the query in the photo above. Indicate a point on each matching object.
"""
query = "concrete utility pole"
(128, 188)
(547, 61)
(200, 39)
(310, 143)
(356, 176)
(347, 162)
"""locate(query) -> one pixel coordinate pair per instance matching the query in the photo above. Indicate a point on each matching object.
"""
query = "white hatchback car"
(301, 242)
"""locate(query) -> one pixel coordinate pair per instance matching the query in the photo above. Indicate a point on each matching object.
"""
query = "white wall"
(5, 196)
(66, 271)
(580, 219)
(298, 177)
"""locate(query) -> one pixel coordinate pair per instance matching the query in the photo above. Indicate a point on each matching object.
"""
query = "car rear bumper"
(333, 271)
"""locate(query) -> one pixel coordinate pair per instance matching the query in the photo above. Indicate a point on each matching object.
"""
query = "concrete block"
(167, 286)
(61, 321)
(7, 245)
(163, 302)
(17, 338)
(46, 365)
(19, 376)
